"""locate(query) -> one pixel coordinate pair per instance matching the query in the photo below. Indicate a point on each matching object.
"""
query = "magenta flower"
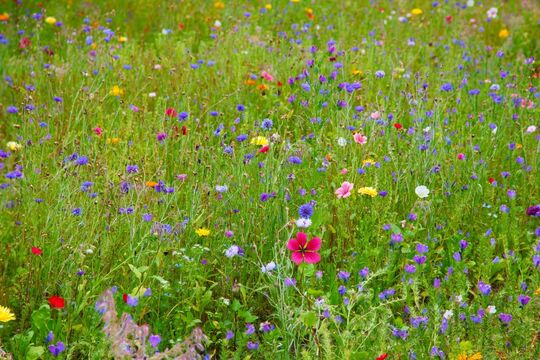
(345, 190)
(360, 139)
(304, 251)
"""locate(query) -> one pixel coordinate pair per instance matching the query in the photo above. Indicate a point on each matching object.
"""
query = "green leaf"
(309, 318)
(135, 271)
(35, 352)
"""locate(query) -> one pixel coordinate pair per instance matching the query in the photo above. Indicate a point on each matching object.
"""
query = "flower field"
(288, 179)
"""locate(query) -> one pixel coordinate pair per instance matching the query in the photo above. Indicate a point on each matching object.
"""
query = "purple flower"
(524, 299)
(534, 210)
(57, 349)
(154, 340)
(250, 329)
(484, 288)
(505, 318)
(252, 345)
(229, 335)
(289, 282)
(132, 300)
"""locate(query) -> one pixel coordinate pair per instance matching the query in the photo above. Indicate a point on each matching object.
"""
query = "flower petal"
(302, 239)
(312, 257)
(293, 245)
(297, 257)
(314, 244)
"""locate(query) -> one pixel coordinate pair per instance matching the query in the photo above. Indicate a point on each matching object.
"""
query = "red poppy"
(382, 357)
(398, 126)
(264, 149)
(181, 26)
(448, 19)
(56, 302)
(279, 83)
(36, 251)
(491, 180)
(170, 112)
(125, 297)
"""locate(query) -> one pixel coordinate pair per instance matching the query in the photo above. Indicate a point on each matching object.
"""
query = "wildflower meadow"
(281, 179)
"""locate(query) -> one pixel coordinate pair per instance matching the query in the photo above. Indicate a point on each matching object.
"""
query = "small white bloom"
(152, 94)
(422, 191)
(341, 141)
(232, 251)
(492, 13)
(89, 251)
(268, 268)
(217, 23)
(459, 298)
(221, 188)
(491, 309)
(448, 314)
(470, 3)
(303, 223)
(531, 129)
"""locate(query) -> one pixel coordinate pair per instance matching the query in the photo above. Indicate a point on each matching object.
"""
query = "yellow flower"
(476, 356)
(417, 11)
(203, 232)
(503, 34)
(368, 161)
(117, 91)
(123, 39)
(295, 1)
(6, 314)
(268, 6)
(357, 72)
(259, 140)
(537, 291)
(4, 17)
(219, 5)
(50, 20)
(13, 146)
(113, 141)
(368, 191)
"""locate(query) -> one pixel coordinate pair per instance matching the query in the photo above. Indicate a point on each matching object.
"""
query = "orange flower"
(250, 82)
(151, 184)
(262, 87)
(4, 17)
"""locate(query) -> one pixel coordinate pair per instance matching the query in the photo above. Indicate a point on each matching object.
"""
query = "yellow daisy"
(259, 140)
(202, 232)
(6, 314)
(368, 191)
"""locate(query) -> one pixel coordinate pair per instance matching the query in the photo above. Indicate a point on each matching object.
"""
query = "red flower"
(125, 297)
(24, 43)
(170, 112)
(56, 302)
(264, 149)
(303, 250)
(448, 19)
(36, 251)
(398, 126)
(382, 357)
(184, 130)
(491, 180)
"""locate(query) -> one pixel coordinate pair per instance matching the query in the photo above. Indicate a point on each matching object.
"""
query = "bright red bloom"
(24, 43)
(304, 251)
(264, 149)
(36, 251)
(56, 302)
(125, 297)
(398, 126)
(382, 357)
(448, 19)
(184, 130)
(170, 112)
(491, 180)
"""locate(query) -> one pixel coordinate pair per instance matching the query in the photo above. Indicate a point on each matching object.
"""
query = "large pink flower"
(303, 250)
(345, 190)
(360, 139)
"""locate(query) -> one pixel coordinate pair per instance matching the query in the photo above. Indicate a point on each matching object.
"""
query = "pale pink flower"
(344, 190)
(267, 76)
(360, 139)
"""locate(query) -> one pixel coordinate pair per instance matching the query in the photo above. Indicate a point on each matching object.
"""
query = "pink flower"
(461, 156)
(375, 115)
(344, 171)
(345, 190)
(267, 76)
(360, 139)
(303, 251)
(98, 131)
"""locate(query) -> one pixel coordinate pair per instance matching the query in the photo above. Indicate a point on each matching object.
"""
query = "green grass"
(193, 283)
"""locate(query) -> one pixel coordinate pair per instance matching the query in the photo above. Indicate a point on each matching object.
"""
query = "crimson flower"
(56, 302)
(382, 357)
(36, 251)
(304, 251)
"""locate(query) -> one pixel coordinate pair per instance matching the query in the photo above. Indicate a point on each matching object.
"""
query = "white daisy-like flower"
(422, 191)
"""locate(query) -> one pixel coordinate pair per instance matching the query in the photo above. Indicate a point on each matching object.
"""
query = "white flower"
(491, 309)
(459, 298)
(341, 142)
(492, 13)
(221, 188)
(166, 31)
(268, 268)
(470, 3)
(232, 251)
(448, 314)
(422, 191)
(303, 223)
(152, 94)
(217, 23)
(531, 129)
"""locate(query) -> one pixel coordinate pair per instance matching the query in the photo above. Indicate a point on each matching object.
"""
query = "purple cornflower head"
(12, 109)
(132, 169)
(523, 299)
(250, 329)
(534, 210)
(396, 238)
(421, 248)
(81, 160)
(55, 350)
(344, 275)
(49, 337)
(264, 197)
(147, 217)
(76, 211)
(484, 288)
(294, 160)
(305, 211)
(447, 87)
(266, 327)
(252, 345)
(289, 282)
(409, 268)
(132, 301)
(154, 340)
(182, 116)
(229, 335)
(364, 272)
(233, 251)
(505, 318)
